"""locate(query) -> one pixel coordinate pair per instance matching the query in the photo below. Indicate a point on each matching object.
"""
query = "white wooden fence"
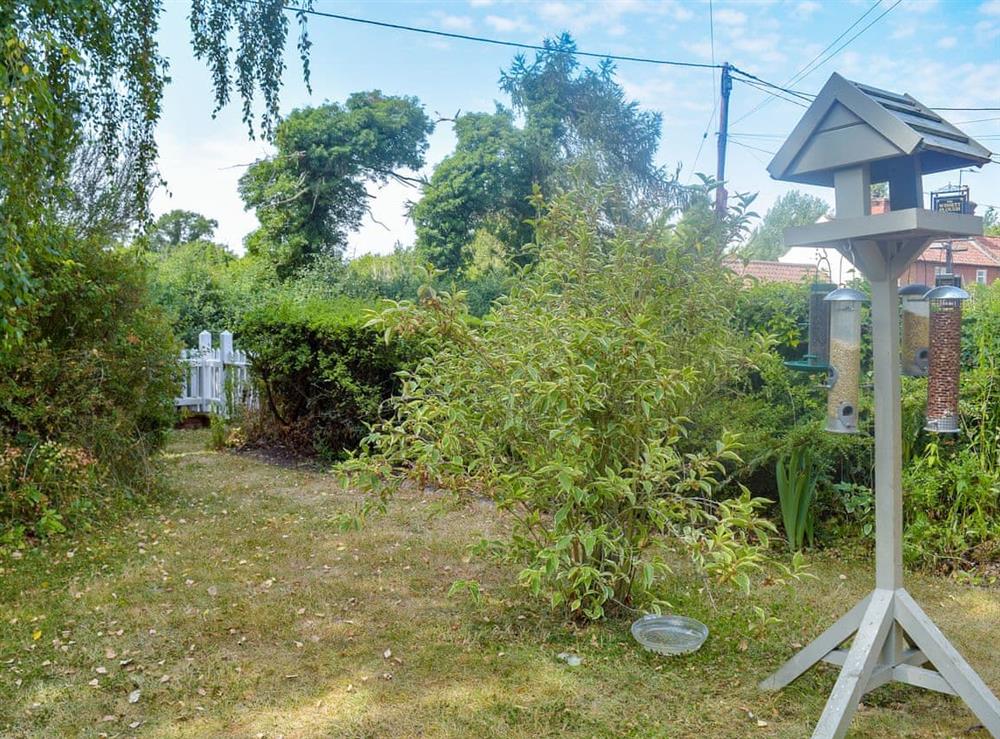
(216, 380)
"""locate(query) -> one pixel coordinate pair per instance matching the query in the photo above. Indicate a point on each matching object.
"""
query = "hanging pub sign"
(952, 200)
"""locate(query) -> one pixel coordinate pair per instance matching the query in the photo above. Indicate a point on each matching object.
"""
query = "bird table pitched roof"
(849, 124)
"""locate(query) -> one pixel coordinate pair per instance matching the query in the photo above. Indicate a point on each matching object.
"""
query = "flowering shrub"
(570, 408)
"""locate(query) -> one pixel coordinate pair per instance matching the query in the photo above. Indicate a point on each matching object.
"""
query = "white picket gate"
(214, 378)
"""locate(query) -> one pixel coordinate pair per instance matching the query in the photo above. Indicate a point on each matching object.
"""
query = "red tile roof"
(976, 251)
(775, 271)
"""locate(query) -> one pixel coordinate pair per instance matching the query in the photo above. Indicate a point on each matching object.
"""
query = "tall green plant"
(797, 474)
(569, 407)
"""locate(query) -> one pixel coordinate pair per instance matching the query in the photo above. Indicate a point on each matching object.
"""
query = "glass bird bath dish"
(669, 635)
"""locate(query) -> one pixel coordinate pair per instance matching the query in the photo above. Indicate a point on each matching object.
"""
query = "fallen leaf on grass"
(133, 697)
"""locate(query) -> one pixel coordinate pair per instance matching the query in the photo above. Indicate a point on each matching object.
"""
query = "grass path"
(235, 609)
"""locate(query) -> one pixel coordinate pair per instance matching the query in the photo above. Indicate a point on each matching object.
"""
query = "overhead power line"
(812, 65)
(715, 96)
(844, 45)
(495, 42)
(595, 55)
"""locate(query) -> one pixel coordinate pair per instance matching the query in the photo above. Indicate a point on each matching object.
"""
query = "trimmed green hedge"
(323, 374)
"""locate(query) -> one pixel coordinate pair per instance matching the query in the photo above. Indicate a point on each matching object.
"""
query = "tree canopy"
(573, 121)
(69, 67)
(178, 227)
(794, 208)
(312, 193)
(484, 183)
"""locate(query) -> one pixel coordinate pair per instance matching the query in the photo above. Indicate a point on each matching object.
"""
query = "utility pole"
(726, 86)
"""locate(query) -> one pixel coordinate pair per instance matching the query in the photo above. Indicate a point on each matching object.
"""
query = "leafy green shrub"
(324, 373)
(189, 281)
(780, 309)
(569, 406)
(218, 433)
(91, 400)
(38, 483)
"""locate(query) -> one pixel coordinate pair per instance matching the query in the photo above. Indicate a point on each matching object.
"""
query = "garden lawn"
(237, 609)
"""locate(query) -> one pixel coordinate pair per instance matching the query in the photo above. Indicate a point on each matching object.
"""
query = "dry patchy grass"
(238, 610)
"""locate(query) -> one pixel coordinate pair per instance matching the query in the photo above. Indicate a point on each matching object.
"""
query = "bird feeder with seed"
(851, 136)
(915, 348)
(844, 380)
(945, 304)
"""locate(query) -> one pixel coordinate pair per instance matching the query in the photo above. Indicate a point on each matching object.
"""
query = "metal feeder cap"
(916, 288)
(846, 295)
(944, 292)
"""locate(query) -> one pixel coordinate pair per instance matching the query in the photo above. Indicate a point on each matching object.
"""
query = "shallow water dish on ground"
(669, 635)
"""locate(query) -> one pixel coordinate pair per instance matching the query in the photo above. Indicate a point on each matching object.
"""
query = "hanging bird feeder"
(845, 360)
(817, 358)
(916, 330)
(945, 304)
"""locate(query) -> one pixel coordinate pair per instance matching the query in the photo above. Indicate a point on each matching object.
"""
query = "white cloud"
(987, 31)
(806, 8)
(763, 48)
(921, 6)
(503, 24)
(556, 12)
(610, 15)
(480, 3)
(701, 49)
(729, 17)
(904, 31)
(948, 42)
(455, 22)
(990, 7)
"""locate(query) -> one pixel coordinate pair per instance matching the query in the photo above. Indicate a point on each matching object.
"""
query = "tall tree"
(483, 184)
(794, 208)
(576, 123)
(312, 193)
(178, 227)
(991, 222)
(74, 66)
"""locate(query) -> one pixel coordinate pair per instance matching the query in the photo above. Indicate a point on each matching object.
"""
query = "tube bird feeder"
(945, 304)
(845, 360)
(916, 330)
(817, 357)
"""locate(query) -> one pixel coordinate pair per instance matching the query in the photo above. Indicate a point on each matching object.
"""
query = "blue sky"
(943, 52)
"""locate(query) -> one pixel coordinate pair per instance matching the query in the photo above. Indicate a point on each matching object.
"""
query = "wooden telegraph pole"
(726, 87)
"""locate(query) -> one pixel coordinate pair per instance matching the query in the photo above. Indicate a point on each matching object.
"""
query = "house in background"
(976, 259)
(827, 259)
(763, 271)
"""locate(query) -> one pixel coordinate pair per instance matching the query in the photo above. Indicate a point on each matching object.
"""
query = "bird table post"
(851, 136)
